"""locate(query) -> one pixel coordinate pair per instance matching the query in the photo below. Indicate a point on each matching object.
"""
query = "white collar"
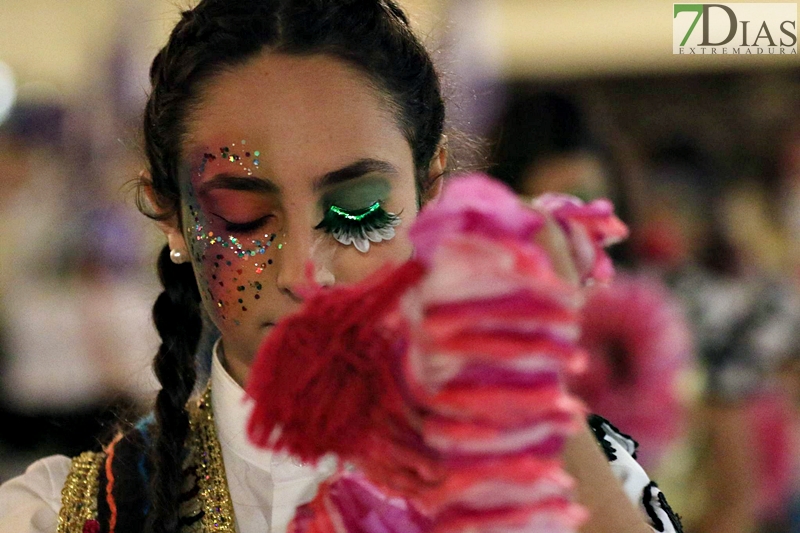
(232, 407)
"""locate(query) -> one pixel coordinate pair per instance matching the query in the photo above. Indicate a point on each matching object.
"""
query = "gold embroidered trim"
(79, 495)
(81, 489)
(212, 481)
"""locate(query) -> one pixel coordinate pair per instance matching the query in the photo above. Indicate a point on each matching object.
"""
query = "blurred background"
(695, 349)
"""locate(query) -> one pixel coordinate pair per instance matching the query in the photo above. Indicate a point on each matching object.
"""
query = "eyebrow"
(238, 183)
(353, 171)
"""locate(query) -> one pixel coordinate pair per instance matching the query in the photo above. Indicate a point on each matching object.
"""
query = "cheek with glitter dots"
(230, 269)
(232, 280)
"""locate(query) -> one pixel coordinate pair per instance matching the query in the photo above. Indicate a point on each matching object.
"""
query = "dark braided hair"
(372, 36)
(177, 316)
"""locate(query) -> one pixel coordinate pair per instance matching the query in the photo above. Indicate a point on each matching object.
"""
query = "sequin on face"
(219, 256)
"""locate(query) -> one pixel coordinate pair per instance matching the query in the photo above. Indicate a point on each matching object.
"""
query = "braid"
(177, 317)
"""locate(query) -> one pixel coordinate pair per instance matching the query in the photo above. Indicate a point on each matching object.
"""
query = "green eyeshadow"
(358, 194)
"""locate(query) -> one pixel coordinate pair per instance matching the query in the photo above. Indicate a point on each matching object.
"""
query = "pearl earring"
(176, 257)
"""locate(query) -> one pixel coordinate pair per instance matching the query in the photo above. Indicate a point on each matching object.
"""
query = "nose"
(303, 260)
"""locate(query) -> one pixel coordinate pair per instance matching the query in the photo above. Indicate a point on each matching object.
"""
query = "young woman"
(278, 134)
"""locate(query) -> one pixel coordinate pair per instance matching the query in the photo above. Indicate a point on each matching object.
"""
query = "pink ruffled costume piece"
(590, 228)
(468, 413)
(349, 503)
(491, 304)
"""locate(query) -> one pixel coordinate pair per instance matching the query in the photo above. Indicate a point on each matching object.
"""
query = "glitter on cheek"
(221, 267)
(216, 253)
(201, 240)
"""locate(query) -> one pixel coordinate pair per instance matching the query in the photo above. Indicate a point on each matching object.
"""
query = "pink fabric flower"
(638, 344)
(349, 503)
(523, 479)
(551, 516)
(590, 228)
(473, 205)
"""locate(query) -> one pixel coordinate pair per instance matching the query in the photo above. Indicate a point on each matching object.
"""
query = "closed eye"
(243, 227)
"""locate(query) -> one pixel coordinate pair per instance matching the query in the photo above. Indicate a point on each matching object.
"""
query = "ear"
(168, 226)
(436, 172)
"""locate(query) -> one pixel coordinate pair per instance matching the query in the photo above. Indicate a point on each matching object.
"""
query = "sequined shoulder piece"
(79, 495)
(217, 508)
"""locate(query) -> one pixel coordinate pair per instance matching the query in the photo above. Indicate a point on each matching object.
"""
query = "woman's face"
(287, 161)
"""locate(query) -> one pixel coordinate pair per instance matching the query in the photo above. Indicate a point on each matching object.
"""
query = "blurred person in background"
(634, 331)
(734, 470)
(699, 233)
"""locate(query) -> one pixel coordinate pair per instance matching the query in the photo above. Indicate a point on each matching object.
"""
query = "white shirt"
(265, 487)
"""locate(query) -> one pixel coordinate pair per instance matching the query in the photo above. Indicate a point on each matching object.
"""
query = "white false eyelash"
(361, 242)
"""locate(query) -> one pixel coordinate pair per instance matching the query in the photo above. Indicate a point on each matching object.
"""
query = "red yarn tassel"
(325, 376)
